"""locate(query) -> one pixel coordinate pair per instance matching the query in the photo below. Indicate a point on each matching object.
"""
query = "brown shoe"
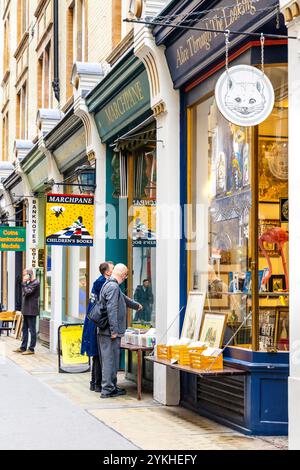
(28, 353)
(19, 350)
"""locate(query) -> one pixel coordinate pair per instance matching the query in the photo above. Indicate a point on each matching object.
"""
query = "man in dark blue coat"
(89, 335)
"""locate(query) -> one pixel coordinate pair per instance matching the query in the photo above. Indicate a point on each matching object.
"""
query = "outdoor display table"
(7, 318)
(226, 371)
(139, 350)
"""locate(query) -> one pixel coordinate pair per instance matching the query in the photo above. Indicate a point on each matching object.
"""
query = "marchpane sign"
(12, 239)
(70, 220)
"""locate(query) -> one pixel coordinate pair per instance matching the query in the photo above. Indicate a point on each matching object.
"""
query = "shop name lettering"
(34, 226)
(70, 200)
(125, 102)
(195, 44)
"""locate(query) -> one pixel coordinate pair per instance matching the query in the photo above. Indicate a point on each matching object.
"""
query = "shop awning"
(142, 135)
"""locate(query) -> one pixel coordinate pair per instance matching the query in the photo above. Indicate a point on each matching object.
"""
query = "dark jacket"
(116, 304)
(144, 296)
(30, 298)
(89, 335)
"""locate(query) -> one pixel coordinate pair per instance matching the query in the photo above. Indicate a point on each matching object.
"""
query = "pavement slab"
(35, 417)
(45, 409)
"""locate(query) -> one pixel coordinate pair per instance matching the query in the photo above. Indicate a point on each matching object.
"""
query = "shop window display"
(144, 236)
(238, 190)
(77, 285)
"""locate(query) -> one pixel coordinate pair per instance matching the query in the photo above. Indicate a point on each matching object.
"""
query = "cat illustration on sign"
(245, 95)
(245, 98)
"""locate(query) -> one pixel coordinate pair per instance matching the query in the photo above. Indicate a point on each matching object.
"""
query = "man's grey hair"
(120, 269)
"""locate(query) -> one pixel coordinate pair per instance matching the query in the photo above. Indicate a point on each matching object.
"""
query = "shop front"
(121, 106)
(34, 168)
(15, 189)
(234, 195)
(67, 145)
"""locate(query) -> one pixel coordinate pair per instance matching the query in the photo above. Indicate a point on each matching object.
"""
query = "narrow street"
(34, 416)
(41, 409)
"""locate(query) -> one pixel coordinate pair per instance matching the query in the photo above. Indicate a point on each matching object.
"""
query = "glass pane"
(48, 277)
(144, 236)
(82, 283)
(219, 217)
(77, 275)
(273, 219)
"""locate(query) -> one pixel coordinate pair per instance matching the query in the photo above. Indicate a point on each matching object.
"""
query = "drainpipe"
(55, 83)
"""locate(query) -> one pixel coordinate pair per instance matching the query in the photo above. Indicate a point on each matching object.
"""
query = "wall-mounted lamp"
(86, 176)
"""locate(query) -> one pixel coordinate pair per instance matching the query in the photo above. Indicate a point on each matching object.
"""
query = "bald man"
(114, 310)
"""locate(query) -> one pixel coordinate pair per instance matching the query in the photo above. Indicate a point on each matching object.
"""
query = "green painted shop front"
(121, 106)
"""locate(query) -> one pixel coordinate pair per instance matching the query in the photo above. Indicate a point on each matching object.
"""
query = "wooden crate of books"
(198, 361)
(180, 353)
(163, 352)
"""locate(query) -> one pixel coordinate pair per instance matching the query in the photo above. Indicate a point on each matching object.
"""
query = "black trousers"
(29, 324)
(96, 378)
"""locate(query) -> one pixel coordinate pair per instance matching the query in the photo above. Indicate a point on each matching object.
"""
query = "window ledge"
(5, 77)
(40, 7)
(22, 45)
(5, 106)
(6, 9)
(121, 48)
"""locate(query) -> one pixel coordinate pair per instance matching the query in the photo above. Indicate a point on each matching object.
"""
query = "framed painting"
(284, 210)
(282, 340)
(218, 289)
(213, 328)
(193, 315)
(277, 283)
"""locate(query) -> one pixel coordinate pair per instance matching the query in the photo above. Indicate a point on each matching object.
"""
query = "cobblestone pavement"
(145, 424)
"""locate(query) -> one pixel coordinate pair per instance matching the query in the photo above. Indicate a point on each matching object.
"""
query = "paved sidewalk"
(33, 416)
(66, 415)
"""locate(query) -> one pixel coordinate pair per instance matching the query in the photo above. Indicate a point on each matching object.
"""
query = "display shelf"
(226, 371)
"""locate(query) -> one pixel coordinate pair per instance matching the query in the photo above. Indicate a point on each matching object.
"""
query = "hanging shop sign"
(33, 233)
(244, 95)
(194, 50)
(12, 239)
(70, 220)
(144, 223)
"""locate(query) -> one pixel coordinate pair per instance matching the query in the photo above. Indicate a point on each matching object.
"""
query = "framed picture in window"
(277, 283)
(193, 315)
(283, 334)
(213, 328)
(218, 289)
(284, 210)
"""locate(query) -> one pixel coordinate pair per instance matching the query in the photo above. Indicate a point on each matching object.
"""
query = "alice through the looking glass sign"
(245, 95)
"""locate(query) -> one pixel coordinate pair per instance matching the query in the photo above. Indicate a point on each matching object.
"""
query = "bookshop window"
(273, 223)
(221, 232)
(144, 236)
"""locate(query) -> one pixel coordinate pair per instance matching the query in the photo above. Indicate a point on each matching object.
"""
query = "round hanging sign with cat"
(244, 95)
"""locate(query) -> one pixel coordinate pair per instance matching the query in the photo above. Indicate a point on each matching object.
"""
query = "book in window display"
(267, 330)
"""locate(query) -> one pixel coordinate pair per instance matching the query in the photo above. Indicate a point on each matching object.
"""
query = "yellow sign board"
(70, 220)
(71, 338)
